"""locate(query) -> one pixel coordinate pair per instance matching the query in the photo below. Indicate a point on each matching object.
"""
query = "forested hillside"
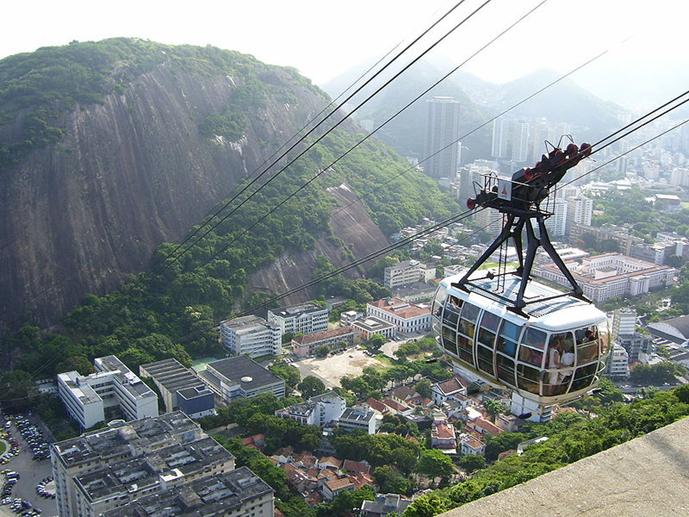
(168, 133)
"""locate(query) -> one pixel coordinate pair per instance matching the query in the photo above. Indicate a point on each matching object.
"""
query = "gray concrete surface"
(31, 473)
(332, 368)
(647, 476)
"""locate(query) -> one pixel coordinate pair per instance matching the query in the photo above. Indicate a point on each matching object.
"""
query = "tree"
(311, 386)
(501, 443)
(287, 372)
(494, 408)
(472, 462)
(322, 351)
(424, 388)
(433, 463)
(655, 374)
(79, 363)
(375, 343)
(390, 481)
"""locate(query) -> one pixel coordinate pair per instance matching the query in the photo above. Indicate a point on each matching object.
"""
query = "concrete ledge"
(647, 476)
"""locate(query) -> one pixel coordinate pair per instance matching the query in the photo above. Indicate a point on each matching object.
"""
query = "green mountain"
(112, 148)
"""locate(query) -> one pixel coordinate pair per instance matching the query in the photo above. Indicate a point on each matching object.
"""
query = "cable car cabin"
(553, 356)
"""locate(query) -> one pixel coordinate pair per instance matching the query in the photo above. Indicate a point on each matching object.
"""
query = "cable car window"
(561, 351)
(584, 377)
(485, 360)
(465, 349)
(527, 378)
(449, 340)
(531, 356)
(467, 328)
(470, 312)
(604, 337)
(505, 369)
(486, 337)
(507, 339)
(439, 301)
(587, 344)
(490, 321)
(451, 314)
(535, 338)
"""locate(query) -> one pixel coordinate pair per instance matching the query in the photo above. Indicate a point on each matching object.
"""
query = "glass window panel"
(490, 321)
(439, 301)
(554, 383)
(466, 327)
(485, 360)
(604, 337)
(535, 338)
(450, 317)
(587, 352)
(510, 330)
(527, 378)
(467, 357)
(486, 337)
(530, 355)
(465, 343)
(470, 312)
(505, 369)
(507, 346)
(561, 351)
(584, 377)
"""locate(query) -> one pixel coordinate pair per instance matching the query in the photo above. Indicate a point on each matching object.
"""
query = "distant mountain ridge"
(480, 100)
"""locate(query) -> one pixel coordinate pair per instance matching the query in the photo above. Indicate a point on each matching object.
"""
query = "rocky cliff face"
(129, 172)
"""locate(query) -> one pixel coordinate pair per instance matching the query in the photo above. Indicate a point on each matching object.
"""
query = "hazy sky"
(323, 38)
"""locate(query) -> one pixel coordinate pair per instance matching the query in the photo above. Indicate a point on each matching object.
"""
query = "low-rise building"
(611, 275)
(308, 344)
(306, 318)
(404, 273)
(442, 391)
(408, 318)
(252, 336)
(472, 444)
(360, 418)
(320, 410)
(331, 488)
(348, 318)
(443, 436)
(179, 386)
(675, 330)
(112, 387)
(371, 326)
(384, 504)
(241, 377)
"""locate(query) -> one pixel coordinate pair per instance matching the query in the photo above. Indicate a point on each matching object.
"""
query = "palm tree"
(494, 408)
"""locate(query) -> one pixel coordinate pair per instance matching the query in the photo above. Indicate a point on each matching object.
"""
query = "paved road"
(31, 473)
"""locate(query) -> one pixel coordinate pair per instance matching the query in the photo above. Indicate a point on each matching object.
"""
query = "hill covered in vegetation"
(137, 142)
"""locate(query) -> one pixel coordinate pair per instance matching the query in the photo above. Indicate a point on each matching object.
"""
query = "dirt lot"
(332, 368)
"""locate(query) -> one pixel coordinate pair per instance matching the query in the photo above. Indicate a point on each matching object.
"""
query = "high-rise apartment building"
(500, 136)
(520, 142)
(580, 210)
(442, 129)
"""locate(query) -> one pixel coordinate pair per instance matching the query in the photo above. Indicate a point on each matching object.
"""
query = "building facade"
(241, 377)
(611, 275)
(113, 385)
(306, 318)
(172, 378)
(308, 344)
(360, 418)
(404, 273)
(252, 336)
(320, 410)
(408, 318)
(442, 129)
(618, 363)
(371, 326)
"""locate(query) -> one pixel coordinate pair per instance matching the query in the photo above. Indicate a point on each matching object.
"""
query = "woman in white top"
(554, 362)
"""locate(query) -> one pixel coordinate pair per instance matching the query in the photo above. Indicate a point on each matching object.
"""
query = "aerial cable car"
(502, 327)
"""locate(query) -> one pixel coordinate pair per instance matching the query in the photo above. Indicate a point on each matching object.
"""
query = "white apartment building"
(86, 398)
(611, 275)
(320, 410)
(306, 318)
(557, 223)
(580, 210)
(618, 363)
(371, 326)
(252, 336)
(623, 322)
(680, 177)
(359, 418)
(408, 318)
(405, 273)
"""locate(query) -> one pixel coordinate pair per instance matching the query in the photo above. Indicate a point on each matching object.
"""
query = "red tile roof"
(400, 308)
(451, 386)
(377, 405)
(331, 460)
(339, 484)
(486, 426)
(307, 339)
(356, 466)
(443, 432)
(393, 404)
